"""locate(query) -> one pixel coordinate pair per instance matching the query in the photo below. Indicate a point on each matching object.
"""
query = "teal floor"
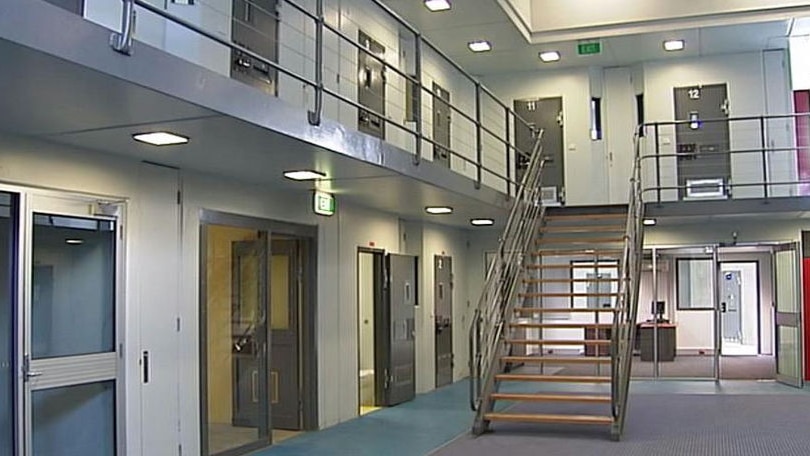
(432, 420)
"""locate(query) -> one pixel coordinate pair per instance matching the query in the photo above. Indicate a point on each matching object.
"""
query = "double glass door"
(58, 314)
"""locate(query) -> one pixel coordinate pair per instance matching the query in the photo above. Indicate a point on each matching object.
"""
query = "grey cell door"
(254, 25)
(395, 356)
(441, 125)
(249, 333)
(285, 392)
(545, 114)
(8, 330)
(370, 86)
(443, 297)
(789, 354)
(702, 141)
(730, 305)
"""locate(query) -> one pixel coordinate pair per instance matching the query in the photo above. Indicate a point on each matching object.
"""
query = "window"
(596, 118)
(694, 283)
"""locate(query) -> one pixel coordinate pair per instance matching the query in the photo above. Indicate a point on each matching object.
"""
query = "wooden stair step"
(556, 359)
(550, 398)
(561, 325)
(537, 418)
(568, 295)
(577, 217)
(566, 266)
(582, 240)
(558, 342)
(552, 378)
(562, 310)
(583, 229)
(541, 281)
(605, 255)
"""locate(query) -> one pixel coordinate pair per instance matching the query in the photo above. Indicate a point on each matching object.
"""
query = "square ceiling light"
(438, 210)
(480, 46)
(482, 222)
(549, 56)
(674, 45)
(437, 5)
(304, 174)
(160, 138)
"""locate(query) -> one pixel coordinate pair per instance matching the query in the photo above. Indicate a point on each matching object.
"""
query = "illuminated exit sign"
(589, 48)
(324, 203)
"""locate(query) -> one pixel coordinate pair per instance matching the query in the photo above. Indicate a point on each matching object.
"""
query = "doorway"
(254, 26)
(441, 125)
(443, 305)
(257, 333)
(8, 344)
(545, 114)
(386, 300)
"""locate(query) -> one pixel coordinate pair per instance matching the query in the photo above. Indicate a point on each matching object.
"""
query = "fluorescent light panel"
(160, 138)
(674, 45)
(74, 241)
(649, 222)
(482, 222)
(479, 46)
(436, 210)
(437, 5)
(550, 56)
(304, 174)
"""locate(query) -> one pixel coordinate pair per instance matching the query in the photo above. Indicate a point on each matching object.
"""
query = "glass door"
(788, 315)
(8, 300)
(70, 335)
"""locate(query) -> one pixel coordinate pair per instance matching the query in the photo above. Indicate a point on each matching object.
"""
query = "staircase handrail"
(624, 321)
(503, 275)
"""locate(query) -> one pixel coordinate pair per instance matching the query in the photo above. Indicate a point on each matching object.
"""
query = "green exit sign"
(589, 48)
(324, 203)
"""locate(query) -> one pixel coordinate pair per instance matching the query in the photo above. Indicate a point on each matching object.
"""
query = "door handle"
(33, 374)
(27, 372)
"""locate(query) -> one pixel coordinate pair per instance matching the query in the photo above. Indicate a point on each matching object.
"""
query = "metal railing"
(500, 292)
(744, 158)
(624, 320)
(488, 134)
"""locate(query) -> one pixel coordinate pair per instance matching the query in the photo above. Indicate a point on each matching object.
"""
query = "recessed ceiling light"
(438, 210)
(550, 56)
(482, 222)
(674, 45)
(160, 138)
(649, 222)
(304, 174)
(479, 46)
(74, 241)
(437, 5)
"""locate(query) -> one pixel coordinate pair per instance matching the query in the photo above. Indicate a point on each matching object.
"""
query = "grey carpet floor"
(665, 425)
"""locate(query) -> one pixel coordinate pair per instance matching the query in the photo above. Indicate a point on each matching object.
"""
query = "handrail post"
(122, 42)
(764, 157)
(508, 134)
(315, 116)
(417, 101)
(479, 142)
(658, 163)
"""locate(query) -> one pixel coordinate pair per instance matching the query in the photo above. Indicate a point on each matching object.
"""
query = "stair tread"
(551, 397)
(582, 228)
(546, 418)
(561, 325)
(567, 295)
(557, 359)
(565, 266)
(601, 254)
(562, 310)
(552, 378)
(579, 240)
(558, 342)
(538, 281)
(615, 215)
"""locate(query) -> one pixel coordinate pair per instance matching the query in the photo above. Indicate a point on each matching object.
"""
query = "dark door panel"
(284, 359)
(443, 296)
(441, 125)
(544, 114)
(370, 86)
(255, 27)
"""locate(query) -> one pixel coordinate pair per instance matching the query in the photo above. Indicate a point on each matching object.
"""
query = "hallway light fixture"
(437, 5)
(160, 138)
(674, 45)
(649, 222)
(549, 56)
(482, 222)
(74, 241)
(480, 46)
(438, 210)
(304, 174)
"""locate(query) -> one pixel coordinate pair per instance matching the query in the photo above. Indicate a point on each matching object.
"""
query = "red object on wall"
(801, 104)
(806, 289)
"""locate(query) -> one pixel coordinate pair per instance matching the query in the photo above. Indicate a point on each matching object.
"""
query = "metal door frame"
(436, 286)
(378, 258)
(758, 295)
(57, 203)
(798, 316)
(308, 354)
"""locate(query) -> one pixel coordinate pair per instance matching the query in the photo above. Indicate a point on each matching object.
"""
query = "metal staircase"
(558, 309)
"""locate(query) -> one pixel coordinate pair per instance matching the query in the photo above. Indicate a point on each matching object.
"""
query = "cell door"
(731, 305)
(443, 297)
(71, 337)
(285, 286)
(545, 114)
(788, 315)
(441, 125)
(702, 143)
(254, 25)
(9, 235)
(371, 86)
(395, 363)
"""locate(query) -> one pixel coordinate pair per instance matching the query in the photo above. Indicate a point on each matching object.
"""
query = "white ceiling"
(484, 19)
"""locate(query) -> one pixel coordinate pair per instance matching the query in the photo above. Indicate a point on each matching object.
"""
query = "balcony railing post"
(417, 100)
(479, 140)
(122, 42)
(314, 116)
(658, 163)
(508, 135)
(764, 157)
